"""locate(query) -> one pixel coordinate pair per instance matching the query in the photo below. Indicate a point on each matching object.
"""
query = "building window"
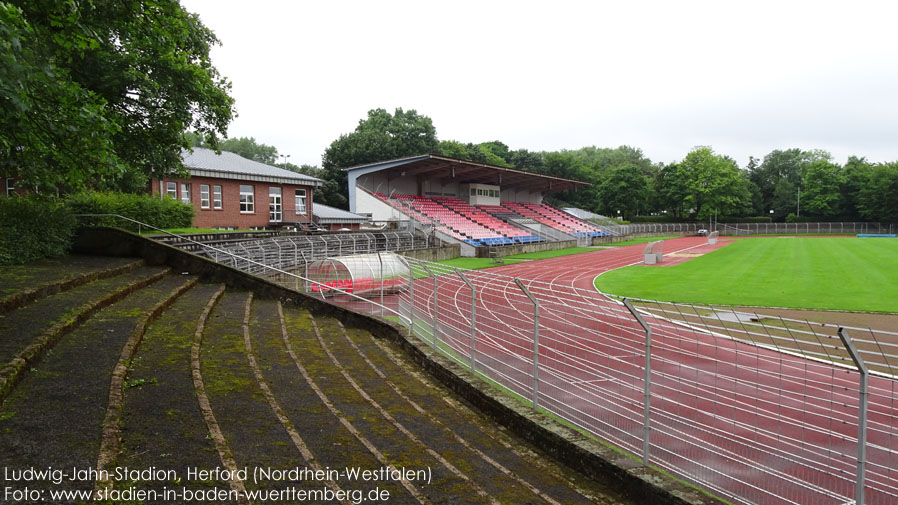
(301, 201)
(204, 196)
(473, 191)
(10, 186)
(274, 205)
(185, 192)
(247, 199)
(216, 197)
(171, 189)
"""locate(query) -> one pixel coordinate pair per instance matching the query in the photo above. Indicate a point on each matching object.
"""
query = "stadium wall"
(434, 254)
(508, 250)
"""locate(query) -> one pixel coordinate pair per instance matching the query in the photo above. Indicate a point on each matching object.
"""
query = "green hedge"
(33, 229)
(161, 213)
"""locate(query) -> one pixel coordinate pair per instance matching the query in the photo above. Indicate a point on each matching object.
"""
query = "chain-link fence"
(757, 228)
(756, 409)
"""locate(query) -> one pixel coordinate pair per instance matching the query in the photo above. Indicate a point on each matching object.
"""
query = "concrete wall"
(434, 253)
(508, 250)
(643, 485)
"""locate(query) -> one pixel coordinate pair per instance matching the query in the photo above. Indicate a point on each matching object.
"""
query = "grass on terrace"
(841, 273)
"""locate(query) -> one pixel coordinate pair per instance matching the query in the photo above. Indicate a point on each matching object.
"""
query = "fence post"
(473, 320)
(646, 401)
(535, 342)
(381, 280)
(305, 282)
(435, 325)
(861, 416)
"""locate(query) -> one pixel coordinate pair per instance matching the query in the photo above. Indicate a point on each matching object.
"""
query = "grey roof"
(327, 214)
(206, 163)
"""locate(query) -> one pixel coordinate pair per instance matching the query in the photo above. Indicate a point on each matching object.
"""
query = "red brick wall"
(338, 226)
(229, 215)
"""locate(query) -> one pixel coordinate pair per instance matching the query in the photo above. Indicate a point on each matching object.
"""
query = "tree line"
(790, 184)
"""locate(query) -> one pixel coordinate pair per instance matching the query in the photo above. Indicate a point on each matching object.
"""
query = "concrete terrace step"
(26, 333)
(18, 278)
(162, 425)
(326, 437)
(387, 363)
(55, 415)
(451, 481)
(253, 434)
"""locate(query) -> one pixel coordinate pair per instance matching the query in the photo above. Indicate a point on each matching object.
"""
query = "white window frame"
(301, 206)
(204, 196)
(216, 197)
(171, 189)
(10, 186)
(185, 192)
(247, 199)
(275, 204)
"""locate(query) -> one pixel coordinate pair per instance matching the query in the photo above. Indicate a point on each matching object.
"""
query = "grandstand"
(472, 204)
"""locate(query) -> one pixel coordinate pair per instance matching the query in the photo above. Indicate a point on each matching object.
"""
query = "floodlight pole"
(646, 402)
(535, 342)
(861, 416)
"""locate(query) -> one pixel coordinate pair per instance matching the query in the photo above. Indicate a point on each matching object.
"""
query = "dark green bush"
(161, 213)
(33, 228)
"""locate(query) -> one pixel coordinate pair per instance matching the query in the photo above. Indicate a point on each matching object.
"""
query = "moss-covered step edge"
(22, 298)
(570, 447)
(111, 431)
(12, 372)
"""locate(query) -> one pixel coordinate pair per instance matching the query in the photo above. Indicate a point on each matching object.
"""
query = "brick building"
(230, 191)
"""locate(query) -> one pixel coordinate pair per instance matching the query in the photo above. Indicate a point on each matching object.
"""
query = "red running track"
(751, 424)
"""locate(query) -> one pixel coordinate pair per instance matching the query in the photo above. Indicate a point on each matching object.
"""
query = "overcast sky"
(742, 77)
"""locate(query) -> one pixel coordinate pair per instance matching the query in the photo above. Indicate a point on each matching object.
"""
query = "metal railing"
(756, 409)
(293, 251)
(823, 228)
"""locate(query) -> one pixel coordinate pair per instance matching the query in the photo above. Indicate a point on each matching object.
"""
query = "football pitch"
(833, 273)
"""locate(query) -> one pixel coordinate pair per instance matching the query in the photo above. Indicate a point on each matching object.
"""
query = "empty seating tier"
(459, 220)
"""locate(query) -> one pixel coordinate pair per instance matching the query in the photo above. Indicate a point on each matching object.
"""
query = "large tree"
(625, 189)
(98, 90)
(712, 184)
(380, 137)
(821, 197)
(878, 197)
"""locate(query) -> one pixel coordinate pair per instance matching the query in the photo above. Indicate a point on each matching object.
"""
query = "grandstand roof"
(466, 172)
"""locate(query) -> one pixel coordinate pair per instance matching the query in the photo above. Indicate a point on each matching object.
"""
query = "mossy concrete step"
(430, 418)
(20, 327)
(326, 438)
(254, 435)
(30, 336)
(17, 278)
(525, 462)
(162, 425)
(54, 417)
(449, 480)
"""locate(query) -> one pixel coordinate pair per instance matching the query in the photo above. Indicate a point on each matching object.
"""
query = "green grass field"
(809, 273)
(478, 263)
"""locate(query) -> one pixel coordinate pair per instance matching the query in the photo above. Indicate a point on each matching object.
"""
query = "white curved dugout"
(359, 274)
